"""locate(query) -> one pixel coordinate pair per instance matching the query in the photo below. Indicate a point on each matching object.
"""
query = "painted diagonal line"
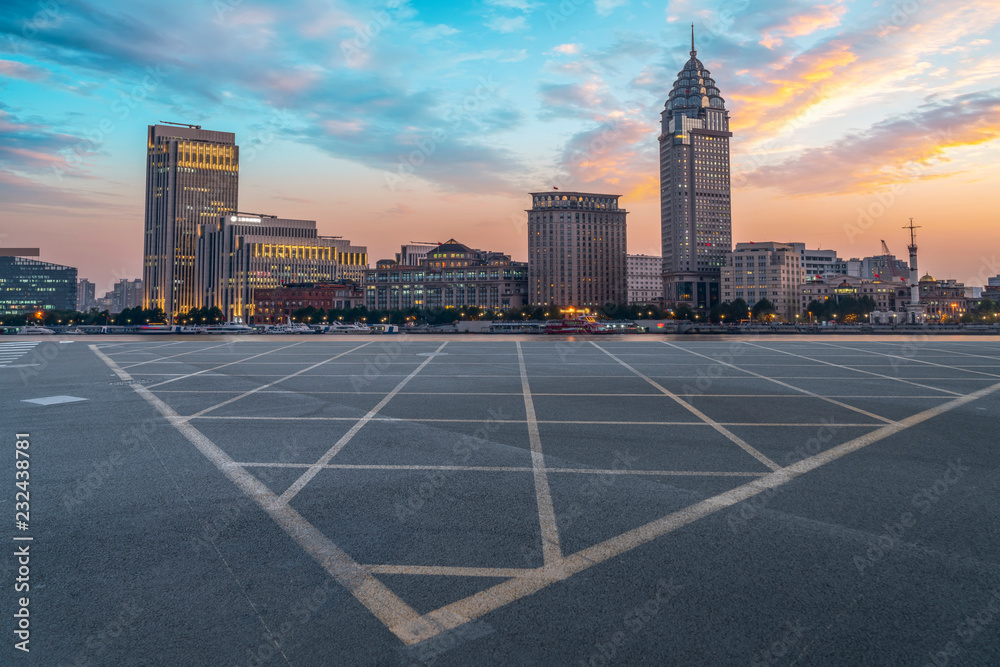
(346, 438)
(171, 356)
(271, 384)
(401, 619)
(551, 550)
(480, 604)
(450, 571)
(914, 359)
(952, 352)
(786, 385)
(858, 370)
(215, 368)
(697, 413)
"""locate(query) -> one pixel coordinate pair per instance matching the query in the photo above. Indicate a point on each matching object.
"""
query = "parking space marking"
(698, 413)
(858, 370)
(484, 602)
(551, 551)
(307, 476)
(279, 380)
(390, 609)
(215, 368)
(411, 627)
(171, 356)
(786, 385)
(449, 468)
(919, 361)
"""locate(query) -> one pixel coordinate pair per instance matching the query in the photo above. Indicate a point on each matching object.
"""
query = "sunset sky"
(390, 122)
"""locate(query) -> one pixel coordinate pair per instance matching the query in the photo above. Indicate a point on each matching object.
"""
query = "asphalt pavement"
(319, 500)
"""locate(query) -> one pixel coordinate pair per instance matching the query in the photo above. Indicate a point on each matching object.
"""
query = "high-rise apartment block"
(86, 295)
(770, 270)
(126, 294)
(644, 277)
(576, 249)
(240, 253)
(695, 205)
(192, 178)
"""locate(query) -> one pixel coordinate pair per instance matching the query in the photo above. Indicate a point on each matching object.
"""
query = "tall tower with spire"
(695, 207)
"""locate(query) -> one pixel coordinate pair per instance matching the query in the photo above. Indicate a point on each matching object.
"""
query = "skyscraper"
(695, 209)
(192, 177)
(576, 249)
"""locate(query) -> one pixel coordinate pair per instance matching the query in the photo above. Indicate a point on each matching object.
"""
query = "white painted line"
(398, 616)
(208, 370)
(574, 471)
(171, 356)
(551, 551)
(53, 400)
(346, 438)
(271, 384)
(857, 370)
(698, 413)
(446, 571)
(919, 361)
(785, 385)
(434, 420)
(484, 602)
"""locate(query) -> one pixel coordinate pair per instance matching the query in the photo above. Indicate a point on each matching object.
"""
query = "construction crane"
(188, 125)
(893, 269)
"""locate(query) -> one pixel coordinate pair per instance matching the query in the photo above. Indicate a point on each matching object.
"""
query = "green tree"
(762, 310)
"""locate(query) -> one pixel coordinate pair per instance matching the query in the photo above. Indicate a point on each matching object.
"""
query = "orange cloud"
(910, 148)
(820, 17)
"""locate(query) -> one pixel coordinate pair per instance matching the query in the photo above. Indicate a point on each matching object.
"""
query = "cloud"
(504, 24)
(910, 148)
(522, 5)
(574, 100)
(18, 70)
(818, 17)
(567, 49)
(605, 7)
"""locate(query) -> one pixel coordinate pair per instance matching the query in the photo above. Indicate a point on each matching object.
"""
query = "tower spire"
(693, 52)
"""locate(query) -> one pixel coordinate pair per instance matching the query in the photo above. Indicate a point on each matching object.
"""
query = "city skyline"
(842, 114)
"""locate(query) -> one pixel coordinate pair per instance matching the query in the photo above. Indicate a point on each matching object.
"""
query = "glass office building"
(29, 285)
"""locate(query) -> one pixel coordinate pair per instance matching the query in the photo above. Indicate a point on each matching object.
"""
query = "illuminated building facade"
(192, 178)
(452, 275)
(772, 271)
(28, 285)
(275, 306)
(695, 203)
(238, 254)
(576, 249)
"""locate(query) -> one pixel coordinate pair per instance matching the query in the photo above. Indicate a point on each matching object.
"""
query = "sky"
(391, 122)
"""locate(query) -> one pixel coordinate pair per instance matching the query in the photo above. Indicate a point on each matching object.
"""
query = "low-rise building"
(276, 305)
(451, 276)
(767, 270)
(941, 299)
(886, 295)
(644, 276)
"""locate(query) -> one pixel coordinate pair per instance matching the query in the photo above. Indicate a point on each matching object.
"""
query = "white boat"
(341, 328)
(228, 328)
(191, 329)
(290, 328)
(35, 331)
